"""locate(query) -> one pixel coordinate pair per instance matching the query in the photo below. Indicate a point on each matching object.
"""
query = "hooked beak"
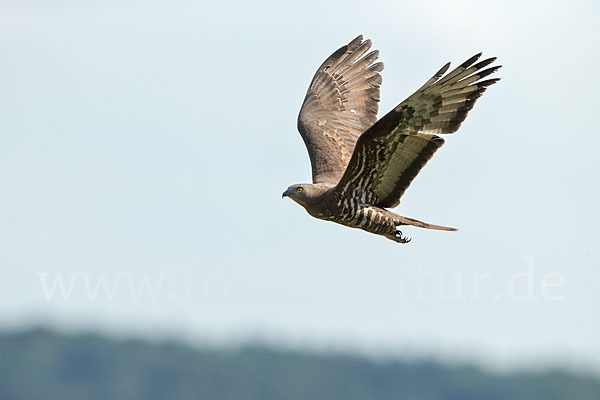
(285, 194)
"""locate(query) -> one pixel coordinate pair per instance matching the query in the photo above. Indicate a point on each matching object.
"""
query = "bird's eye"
(299, 190)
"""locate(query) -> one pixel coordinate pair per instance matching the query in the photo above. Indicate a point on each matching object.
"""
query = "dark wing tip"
(334, 56)
(471, 60)
(487, 83)
(488, 71)
(356, 40)
(485, 62)
(377, 67)
(437, 140)
(443, 70)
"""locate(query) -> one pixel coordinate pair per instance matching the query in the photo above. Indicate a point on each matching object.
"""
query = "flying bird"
(361, 166)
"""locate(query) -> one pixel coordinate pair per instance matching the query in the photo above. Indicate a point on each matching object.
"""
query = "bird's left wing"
(340, 104)
(389, 155)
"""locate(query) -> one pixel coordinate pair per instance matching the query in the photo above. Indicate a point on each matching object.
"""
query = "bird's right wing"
(340, 104)
(389, 155)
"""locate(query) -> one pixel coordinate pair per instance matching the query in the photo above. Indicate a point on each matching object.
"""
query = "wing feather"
(390, 154)
(341, 103)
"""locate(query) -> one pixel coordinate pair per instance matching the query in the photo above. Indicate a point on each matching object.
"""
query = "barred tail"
(409, 221)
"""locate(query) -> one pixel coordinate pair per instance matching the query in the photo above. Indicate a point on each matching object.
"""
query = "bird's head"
(300, 193)
(308, 195)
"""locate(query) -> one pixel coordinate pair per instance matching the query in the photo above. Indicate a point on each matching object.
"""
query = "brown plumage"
(361, 165)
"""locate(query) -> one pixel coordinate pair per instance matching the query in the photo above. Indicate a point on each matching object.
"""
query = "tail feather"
(420, 224)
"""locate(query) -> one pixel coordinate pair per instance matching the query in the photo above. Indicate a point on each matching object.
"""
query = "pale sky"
(152, 140)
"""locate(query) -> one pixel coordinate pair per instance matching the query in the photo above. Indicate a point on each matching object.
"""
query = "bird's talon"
(397, 237)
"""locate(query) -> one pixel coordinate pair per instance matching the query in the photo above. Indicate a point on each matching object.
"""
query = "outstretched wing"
(341, 103)
(389, 155)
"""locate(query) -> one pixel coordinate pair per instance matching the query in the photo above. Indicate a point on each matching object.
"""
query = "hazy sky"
(148, 143)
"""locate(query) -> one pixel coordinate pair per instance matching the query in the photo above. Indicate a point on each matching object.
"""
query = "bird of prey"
(360, 165)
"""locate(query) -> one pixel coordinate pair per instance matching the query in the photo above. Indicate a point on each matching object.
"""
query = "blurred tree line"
(39, 364)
